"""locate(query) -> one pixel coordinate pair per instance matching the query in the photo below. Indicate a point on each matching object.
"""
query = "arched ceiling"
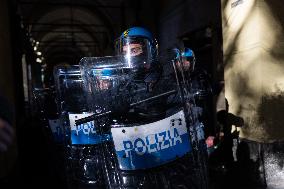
(67, 30)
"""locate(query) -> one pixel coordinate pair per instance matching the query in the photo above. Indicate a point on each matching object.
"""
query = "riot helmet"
(139, 49)
(188, 59)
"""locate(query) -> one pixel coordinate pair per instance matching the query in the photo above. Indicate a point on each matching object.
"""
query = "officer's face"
(132, 49)
(186, 64)
(103, 84)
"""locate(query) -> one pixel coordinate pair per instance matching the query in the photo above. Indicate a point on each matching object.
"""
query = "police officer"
(148, 120)
(140, 52)
(200, 87)
(143, 132)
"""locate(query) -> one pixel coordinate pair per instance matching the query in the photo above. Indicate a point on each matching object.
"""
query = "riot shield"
(82, 156)
(46, 111)
(147, 113)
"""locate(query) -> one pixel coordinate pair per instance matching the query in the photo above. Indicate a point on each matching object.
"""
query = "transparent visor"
(67, 77)
(136, 51)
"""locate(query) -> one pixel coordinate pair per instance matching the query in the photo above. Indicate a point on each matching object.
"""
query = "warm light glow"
(25, 78)
(235, 24)
(38, 60)
(38, 53)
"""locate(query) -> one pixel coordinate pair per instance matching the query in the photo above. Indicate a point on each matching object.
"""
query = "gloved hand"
(6, 135)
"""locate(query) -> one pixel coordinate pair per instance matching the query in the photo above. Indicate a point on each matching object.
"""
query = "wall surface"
(5, 53)
(253, 42)
(7, 159)
(196, 24)
(183, 16)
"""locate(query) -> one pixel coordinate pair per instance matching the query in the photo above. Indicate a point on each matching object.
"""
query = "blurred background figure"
(8, 154)
(6, 129)
(6, 135)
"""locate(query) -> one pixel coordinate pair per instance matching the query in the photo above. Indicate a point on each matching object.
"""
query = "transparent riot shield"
(147, 113)
(46, 111)
(82, 156)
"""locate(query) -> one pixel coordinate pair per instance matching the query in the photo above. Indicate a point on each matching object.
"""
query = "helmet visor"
(136, 51)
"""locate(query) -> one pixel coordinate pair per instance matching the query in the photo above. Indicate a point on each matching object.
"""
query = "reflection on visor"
(103, 72)
(133, 49)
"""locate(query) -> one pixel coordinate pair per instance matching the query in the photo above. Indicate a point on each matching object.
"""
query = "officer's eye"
(136, 50)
